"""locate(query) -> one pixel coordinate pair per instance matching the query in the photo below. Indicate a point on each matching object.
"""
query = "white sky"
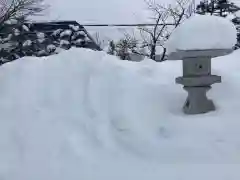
(99, 11)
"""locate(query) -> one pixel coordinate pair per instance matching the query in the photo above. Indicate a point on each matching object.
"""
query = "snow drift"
(87, 115)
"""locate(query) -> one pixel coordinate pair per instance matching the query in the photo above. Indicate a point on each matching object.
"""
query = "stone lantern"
(197, 78)
(196, 41)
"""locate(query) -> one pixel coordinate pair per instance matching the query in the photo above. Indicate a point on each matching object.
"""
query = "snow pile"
(203, 32)
(86, 115)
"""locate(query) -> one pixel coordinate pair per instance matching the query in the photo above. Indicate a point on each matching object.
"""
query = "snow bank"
(86, 115)
(203, 32)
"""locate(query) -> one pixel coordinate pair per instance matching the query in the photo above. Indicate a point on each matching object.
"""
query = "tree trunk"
(212, 7)
(163, 54)
(153, 51)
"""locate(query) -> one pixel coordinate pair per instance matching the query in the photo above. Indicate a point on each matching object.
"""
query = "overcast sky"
(99, 11)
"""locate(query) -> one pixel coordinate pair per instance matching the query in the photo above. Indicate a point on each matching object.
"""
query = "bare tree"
(19, 9)
(152, 35)
(157, 35)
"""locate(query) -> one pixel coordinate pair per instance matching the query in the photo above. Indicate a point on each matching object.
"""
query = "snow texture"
(87, 115)
(203, 32)
(25, 28)
(57, 32)
(16, 32)
(66, 33)
(238, 13)
(75, 28)
(42, 53)
(79, 41)
(27, 43)
(80, 33)
(51, 47)
(64, 42)
(41, 35)
(11, 21)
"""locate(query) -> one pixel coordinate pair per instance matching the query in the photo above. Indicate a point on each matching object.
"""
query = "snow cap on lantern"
(196, 41)
(203, 32)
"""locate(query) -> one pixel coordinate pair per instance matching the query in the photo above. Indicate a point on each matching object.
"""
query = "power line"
(125, 25)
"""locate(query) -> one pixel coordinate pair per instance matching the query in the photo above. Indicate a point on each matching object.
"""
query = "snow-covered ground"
(87, 115)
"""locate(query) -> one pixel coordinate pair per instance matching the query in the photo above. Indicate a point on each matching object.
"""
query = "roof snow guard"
(42, 39)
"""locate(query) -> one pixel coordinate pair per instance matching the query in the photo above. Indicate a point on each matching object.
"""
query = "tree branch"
(19, 9)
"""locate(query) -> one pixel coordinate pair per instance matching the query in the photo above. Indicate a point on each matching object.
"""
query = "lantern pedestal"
(197, 78)
(197, 88)
(197, 101)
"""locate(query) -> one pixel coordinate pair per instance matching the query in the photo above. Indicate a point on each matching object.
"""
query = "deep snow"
(87, 115)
